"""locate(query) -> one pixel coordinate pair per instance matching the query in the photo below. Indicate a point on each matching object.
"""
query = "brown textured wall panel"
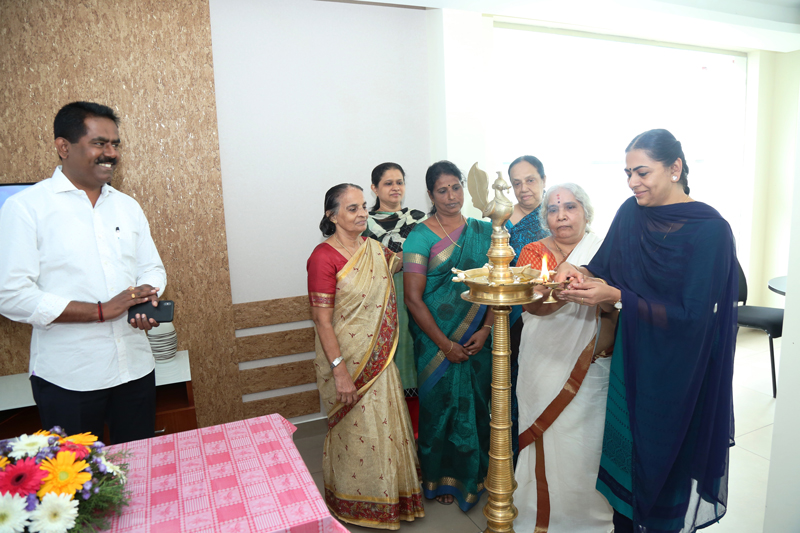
(15, 343)
(277, 376)
(269, 312)
(268, 345)
(302, 403)
(151, 61)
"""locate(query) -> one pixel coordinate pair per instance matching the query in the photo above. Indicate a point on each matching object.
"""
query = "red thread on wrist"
(100, 312)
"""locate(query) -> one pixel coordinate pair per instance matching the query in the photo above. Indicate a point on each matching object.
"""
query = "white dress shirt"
(56, 248)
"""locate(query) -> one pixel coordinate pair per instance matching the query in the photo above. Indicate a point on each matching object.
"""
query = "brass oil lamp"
(500, 286)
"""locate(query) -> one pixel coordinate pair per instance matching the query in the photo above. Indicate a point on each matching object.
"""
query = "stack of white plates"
(163, 341)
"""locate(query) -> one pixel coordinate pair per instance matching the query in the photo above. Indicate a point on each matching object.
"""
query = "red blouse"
(322, 266)
(533, 253)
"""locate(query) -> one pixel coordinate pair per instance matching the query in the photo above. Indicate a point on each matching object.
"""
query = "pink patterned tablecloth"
(240, 477)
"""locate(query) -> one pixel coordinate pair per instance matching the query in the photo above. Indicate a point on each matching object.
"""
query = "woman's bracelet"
(451, 348)
(487, 326)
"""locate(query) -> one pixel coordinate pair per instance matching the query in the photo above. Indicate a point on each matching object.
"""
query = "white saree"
(556, 472)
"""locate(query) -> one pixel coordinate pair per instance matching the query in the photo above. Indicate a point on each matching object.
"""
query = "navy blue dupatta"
(676, 268)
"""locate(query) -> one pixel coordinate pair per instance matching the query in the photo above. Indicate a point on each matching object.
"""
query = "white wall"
(773, 87)
(310, 94)
(781, 182)
(783, 513)
(458, 59)
(751, 247)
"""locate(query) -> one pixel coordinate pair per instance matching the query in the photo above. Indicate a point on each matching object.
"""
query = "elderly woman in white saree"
(563, 384)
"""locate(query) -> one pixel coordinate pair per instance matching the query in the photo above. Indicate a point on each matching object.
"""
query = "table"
(15, 389)
(242, 476)
(778, 285)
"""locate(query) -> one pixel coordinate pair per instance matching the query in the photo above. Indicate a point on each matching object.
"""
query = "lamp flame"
(545, 272)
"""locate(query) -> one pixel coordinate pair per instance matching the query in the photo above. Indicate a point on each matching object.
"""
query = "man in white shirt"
(75, 254)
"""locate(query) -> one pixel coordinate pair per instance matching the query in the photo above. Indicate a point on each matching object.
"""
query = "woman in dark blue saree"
(670, 266)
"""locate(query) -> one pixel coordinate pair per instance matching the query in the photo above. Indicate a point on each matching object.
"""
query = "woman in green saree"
(451, 343)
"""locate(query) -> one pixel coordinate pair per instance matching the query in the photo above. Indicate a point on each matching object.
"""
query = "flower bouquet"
(54, 483)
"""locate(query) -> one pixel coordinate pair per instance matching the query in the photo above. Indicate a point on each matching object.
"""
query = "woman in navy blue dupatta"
(670, 266)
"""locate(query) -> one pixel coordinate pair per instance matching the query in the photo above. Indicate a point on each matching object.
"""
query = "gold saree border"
(432, 365)
(441, 257)
(439, 358)
(417, 259)
(396, 337)
(453, 482)
(411, 501)
(464, 326)
(321, 299)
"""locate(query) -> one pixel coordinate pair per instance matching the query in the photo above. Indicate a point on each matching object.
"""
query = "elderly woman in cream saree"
(370, 466)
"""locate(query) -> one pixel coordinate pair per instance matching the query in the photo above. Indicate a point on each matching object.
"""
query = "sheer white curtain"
(576, 103)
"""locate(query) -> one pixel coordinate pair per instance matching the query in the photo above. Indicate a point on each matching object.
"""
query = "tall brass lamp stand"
(499, 286)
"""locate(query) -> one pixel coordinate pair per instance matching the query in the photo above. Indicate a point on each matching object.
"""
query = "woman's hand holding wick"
(566, 272)
(346, 392)
(589, 292)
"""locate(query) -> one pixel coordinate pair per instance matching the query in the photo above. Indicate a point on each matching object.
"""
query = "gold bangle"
(487, 326)
(451, 348)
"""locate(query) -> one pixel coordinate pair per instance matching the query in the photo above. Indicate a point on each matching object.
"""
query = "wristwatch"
(336, 362)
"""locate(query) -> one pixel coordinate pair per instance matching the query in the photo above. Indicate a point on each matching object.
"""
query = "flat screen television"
(7, 189)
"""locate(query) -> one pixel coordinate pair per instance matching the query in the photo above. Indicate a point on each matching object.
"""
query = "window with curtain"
(576, 102)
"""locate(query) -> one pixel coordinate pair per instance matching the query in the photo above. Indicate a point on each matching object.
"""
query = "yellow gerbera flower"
(64, 474)
(3, 462)
(84, 439)
(43, 432)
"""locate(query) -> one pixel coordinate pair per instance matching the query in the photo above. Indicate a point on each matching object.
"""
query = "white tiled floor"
(754, 412)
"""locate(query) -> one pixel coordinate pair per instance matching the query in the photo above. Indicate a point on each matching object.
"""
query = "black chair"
(768, 319)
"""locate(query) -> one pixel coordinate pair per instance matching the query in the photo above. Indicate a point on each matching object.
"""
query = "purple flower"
(87, 485)
(96, 490)
(86, 494)
(33, 502)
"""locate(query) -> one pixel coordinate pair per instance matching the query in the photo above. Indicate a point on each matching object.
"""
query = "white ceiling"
(742, 25)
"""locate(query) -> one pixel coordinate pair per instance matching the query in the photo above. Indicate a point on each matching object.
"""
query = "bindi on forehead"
(558, 198)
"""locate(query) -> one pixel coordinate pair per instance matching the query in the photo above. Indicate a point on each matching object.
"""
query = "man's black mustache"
(100, 160)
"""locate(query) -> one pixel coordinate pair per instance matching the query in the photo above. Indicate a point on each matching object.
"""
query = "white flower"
(56, 514)
(27, 445)
(113, 469)
(13, 517)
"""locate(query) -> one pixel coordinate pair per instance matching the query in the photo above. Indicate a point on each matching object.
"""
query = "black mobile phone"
(162, 313)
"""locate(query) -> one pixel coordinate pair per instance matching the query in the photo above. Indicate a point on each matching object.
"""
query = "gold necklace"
(445, 232)
(561, 251)
(343, 246)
